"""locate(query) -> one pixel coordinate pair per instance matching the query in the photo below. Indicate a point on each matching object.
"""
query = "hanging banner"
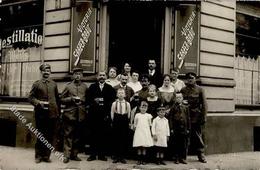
(186, 39)
(83, 37)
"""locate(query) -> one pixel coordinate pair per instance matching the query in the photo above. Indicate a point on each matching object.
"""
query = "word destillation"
(20, 36)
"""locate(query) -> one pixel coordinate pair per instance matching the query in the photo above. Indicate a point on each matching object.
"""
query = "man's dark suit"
(156, 78)
(99, 118)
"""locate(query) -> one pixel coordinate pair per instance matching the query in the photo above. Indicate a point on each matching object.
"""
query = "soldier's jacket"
(45, 90)
(72, 111)
(179, 118)
(197, 103)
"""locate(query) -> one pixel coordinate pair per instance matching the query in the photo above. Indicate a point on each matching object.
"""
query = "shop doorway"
(135, 31)
(256, 138)
(7, 132)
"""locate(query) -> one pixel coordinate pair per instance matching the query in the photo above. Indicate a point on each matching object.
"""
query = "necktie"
(151, 72)
(121, 108)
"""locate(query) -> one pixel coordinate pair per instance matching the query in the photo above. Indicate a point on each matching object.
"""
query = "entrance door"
(135, 31)
(7, 132)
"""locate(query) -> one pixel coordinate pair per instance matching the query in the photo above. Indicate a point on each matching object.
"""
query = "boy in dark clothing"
(179, 121)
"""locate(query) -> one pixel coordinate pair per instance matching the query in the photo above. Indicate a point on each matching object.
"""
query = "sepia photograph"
(129, 85)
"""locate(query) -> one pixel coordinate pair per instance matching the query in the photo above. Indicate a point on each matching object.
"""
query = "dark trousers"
(72, 137)
(48, 128)
(196, 139)
(180, 145)
(120, 133)
(100, 133)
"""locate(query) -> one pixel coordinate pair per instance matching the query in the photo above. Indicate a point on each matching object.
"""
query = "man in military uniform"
(74, 99)
(195, 96)
(45, 99)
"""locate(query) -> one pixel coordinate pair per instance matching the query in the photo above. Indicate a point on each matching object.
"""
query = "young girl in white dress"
(142, 136)
(161, 134)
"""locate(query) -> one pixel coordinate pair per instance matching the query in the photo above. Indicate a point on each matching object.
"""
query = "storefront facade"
(199, 36)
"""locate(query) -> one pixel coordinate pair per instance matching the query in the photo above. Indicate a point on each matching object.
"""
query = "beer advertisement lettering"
(83, 37)
(186, 39)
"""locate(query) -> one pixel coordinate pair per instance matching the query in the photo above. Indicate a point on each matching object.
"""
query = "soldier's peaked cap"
(191, 75)
(44, 66)
(77, 69)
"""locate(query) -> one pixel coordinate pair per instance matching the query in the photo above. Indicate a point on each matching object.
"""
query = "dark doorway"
(135, 30)
(257, 138)
(7, 132)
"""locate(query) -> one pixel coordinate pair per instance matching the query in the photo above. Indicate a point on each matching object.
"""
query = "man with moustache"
(129, 92)
(195, 96)
(155, 77)
(45, 99)
(74, 99)
(141, 94)
(100, 98)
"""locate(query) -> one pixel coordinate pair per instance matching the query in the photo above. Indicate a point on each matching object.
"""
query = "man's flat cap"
(44, 66)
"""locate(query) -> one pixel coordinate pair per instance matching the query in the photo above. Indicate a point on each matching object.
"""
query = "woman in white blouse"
(135, 84)
(167, 93)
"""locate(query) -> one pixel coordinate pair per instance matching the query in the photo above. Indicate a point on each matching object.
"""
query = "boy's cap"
(44, 66)
(191, 75)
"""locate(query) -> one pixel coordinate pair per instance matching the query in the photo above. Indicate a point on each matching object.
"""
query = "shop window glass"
(20, 46)
(247, 62)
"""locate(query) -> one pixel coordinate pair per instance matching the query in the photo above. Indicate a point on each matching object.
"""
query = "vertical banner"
(83, 29)
(186, 39)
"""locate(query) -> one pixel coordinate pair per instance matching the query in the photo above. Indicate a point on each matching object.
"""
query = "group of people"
(149, 113)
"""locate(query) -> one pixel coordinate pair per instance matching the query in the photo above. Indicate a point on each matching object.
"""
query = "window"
(20, 46)
(247, 70)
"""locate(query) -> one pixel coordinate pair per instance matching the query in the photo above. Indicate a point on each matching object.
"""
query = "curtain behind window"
(20, 69)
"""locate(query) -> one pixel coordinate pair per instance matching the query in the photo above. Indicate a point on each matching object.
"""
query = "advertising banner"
(186, 39)
(83, 37)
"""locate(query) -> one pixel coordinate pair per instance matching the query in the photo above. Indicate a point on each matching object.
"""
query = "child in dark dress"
(153, 100)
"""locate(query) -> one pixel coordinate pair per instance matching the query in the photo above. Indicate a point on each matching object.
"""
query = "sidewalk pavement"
(12, 158)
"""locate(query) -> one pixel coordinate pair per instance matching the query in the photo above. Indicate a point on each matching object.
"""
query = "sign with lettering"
(83, 37)
(186, 40)
(21, 38)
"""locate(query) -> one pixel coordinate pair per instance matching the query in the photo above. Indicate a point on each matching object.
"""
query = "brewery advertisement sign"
(83, 37)
(186, 39)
